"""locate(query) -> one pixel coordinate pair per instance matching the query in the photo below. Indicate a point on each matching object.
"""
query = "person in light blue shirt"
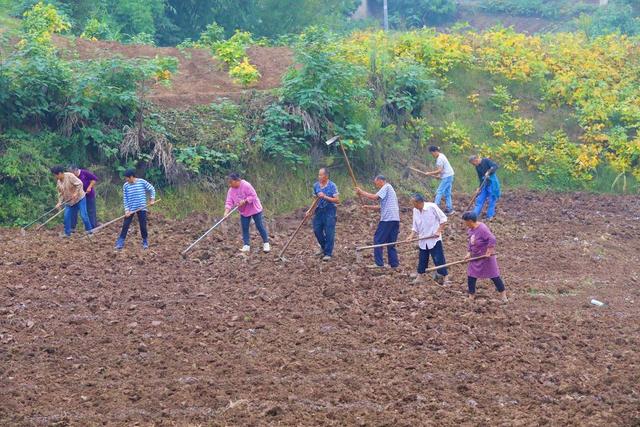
(134, 198)
(389, 225)
(444, 172)
(324, 219)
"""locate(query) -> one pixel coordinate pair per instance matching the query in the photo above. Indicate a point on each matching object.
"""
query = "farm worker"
(444, 172)
(134, 199)
(88, 185)
(481, 242)
(324, 220)
(243, 195)
(429, 221)
(72, 196)
(389, 225)
(489, 190)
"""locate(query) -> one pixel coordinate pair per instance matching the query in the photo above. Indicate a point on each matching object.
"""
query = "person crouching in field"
(73, 197)
(481, 242)
(429, 221)
(243, 195)
(134, 198)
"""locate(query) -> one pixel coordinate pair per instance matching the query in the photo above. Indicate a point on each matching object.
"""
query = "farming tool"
(306, 217)
(106, 224)
(49, 220)
(478, 191)
(24, 229)
(359, 249)
(184, 253)
(346, 159)
(464, 261)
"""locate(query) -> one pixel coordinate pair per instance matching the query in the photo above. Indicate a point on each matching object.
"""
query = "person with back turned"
(489, 190)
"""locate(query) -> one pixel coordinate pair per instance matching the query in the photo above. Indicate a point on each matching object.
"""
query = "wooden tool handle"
(464, 261)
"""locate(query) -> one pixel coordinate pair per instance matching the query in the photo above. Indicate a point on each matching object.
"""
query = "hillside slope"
(201, 79)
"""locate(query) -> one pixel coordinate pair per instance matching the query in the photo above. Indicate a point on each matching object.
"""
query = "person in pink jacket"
(243, 195)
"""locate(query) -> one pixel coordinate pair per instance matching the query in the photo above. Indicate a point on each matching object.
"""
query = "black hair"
(418, 197)
(381, 178)
(433, 148)
(57, 169)
(73, 167)
(469, 216)
(130, 173)
(234, 176)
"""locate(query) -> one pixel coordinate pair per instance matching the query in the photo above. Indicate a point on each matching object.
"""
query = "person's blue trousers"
(71, 212)
(142, 221)
(387, 232)
(324, 227)
(245, 221)
(91, 211)
(444, 190)
(485, 195)
(437, 254)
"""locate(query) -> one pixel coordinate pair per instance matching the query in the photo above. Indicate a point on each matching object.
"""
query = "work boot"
(439, 279)
(145, 244)
(119, 243)
(326, 258)
(246, 248)
(266, 247)
(319, 252)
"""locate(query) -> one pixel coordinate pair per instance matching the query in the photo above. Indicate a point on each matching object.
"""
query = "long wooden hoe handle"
(47, 221)
(346, 159)
(210, 230)
(400, 242)
(420, 172)
(306, 217)
(475, 196)
(464, 261)
(106, 224)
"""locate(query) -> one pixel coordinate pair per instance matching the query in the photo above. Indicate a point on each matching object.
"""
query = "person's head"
(418, 201)
(379, 181)
(475, 160)
(323, 175)
(74, 169)
(234, 180)
(130, 175)
(434, 150)
(470, 219)
(58, 171)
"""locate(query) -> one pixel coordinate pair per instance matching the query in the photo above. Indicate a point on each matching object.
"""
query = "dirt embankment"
(201, 79)
(89, 336)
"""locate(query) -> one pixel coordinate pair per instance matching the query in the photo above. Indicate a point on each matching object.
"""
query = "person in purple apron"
(481, 241)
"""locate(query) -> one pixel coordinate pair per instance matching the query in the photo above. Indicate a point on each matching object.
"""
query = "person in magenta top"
(481, 242)
(242, 194)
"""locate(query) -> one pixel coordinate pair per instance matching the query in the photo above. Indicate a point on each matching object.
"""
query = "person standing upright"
(324, 219)
(72, 196)
(444, 172)
(489, 190)
(134, 199)
(429, 221)
(389, 225)
(242, 194)
(89, 181)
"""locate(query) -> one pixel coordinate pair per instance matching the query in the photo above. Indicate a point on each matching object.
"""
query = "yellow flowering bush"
(244, 73)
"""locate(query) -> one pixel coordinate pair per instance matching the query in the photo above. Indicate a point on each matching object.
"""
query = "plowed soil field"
(93, 337)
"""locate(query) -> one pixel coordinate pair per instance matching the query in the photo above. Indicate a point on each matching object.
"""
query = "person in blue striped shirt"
(134, 198)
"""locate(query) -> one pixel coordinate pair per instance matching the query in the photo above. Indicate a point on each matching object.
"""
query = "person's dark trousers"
(324, 227)
(71, 212)
(437, 254)
(471, 284)
(245, 221)
(91, 211)
(387, 232)
(142, 220)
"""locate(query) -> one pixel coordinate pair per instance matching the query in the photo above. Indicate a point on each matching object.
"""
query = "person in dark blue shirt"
(489, 190)
(324, 220)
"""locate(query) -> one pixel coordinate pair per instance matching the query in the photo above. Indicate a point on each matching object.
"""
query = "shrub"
(244, 73)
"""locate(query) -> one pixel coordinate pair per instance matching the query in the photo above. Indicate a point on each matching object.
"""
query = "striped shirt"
(389, 209)
(134, 196)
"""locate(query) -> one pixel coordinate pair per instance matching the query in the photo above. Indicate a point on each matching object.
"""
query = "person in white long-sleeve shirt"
(429, 222)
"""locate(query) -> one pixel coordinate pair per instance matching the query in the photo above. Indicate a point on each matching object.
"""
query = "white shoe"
(246, 248)
(266, 247)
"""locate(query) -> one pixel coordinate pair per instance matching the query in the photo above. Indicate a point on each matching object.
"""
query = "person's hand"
(226, 212)
(359, 190)
(468, 255)
(490, 252)
(486, 175)
(152, 202)
(59, 205)
(128, 213)
(241, 203)
(322, 195)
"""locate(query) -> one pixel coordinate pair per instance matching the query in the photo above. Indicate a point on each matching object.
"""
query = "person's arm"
(491, 243)
(334, 199)
(125, 200)
(493, 167)
(152, 192)
(442, 218)
(252, 196)
(436, 172)
(228, 204)
(366, 195)
(78, 188)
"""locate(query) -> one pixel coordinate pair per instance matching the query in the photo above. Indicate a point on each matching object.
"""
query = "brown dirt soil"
(201, 79)
(93, 337)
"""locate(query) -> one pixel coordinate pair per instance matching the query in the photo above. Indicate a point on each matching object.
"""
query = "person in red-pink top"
(243, 195)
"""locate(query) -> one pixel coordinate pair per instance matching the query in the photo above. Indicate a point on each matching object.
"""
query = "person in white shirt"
(429, 221)
(444, 172)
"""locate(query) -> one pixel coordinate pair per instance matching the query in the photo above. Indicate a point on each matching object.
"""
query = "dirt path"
(220, 339)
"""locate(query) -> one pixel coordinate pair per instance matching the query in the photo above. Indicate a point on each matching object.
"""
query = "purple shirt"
(480, 239)
(244, 192)
(86, 177)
